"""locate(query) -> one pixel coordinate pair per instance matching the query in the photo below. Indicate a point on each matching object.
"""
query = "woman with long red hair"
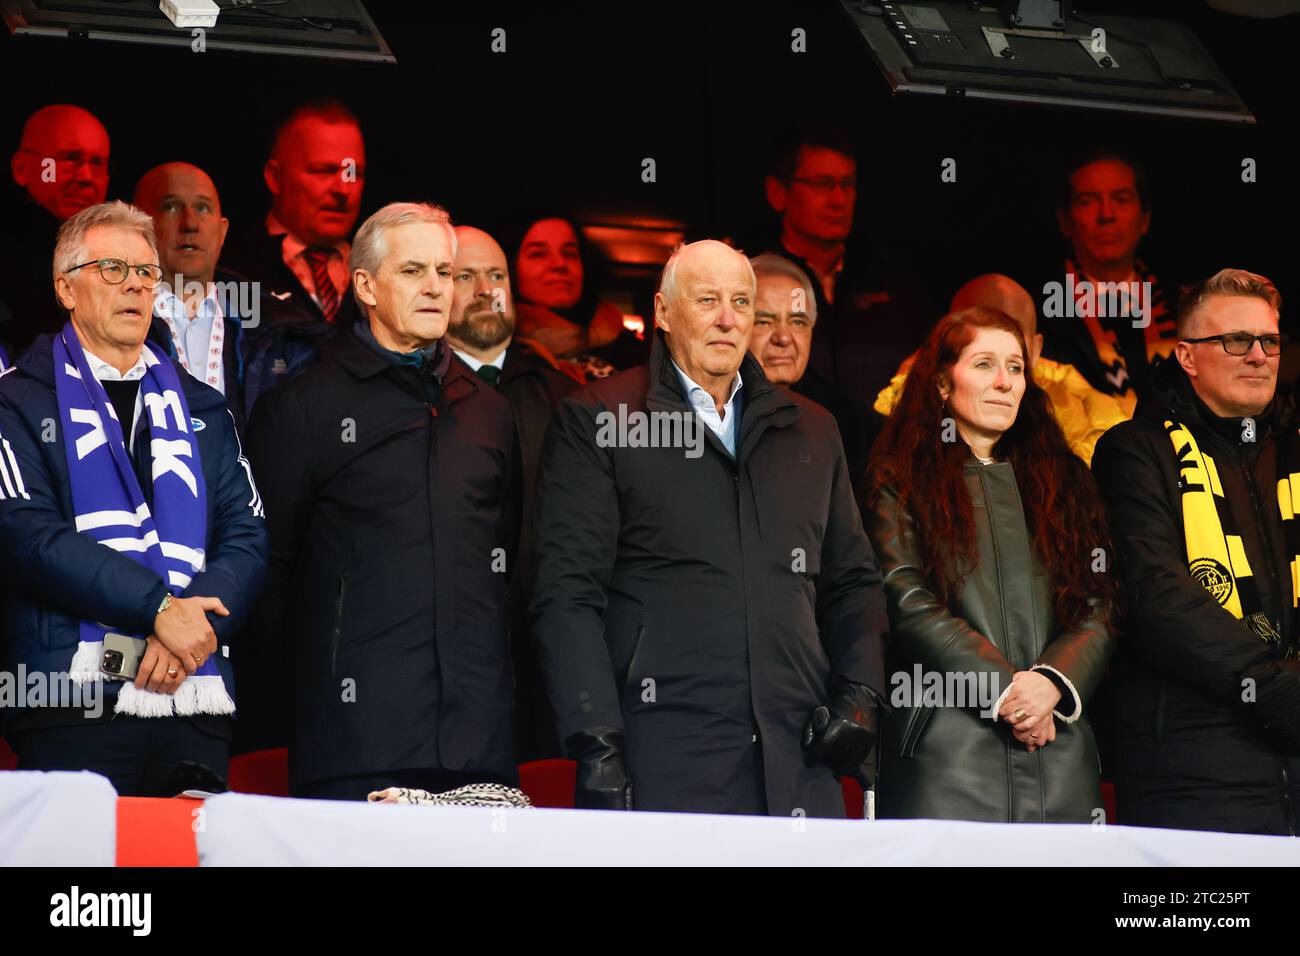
(992, 542)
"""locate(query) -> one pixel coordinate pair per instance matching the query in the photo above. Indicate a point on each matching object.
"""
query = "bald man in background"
(59, 169)
(1083, 412)
(62, 160)
(482, 335)
(197, 316)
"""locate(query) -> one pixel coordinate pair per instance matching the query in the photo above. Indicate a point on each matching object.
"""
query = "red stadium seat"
(853, 798)
(549, 783)
(1108, 801)
(262, 771)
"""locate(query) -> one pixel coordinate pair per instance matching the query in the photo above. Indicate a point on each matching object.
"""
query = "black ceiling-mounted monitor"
(1098, 61)
(327, 29)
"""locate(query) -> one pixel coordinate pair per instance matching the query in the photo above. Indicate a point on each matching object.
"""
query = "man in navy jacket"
(54, 577)
(391, 474)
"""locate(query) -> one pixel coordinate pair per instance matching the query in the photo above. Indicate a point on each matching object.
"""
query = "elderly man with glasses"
(1202, 487)
(872, 313)
(131, 533)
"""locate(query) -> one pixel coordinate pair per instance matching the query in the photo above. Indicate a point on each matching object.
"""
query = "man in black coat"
(390, 473)
(708, 606)
(1207, 686)
(482, 335)
(1103, 310)
(871, 312)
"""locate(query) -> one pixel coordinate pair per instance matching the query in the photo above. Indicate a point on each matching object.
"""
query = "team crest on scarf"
(1214, 577)
(167, 534)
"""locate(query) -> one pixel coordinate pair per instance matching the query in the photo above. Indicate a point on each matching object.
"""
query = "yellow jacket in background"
(1083, 413)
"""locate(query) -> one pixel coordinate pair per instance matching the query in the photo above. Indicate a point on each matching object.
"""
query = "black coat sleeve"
(236, 558)
(512, 505)
(278, 444)
(1172, 622)
(850, 600)
(43, 554)
(1079, 658)
(577, 537)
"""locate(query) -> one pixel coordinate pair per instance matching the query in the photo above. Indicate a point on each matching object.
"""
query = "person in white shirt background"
(192, 316)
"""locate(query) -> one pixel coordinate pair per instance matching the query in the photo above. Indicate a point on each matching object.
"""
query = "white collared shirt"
(104, 372)
(474, 364)
(195, 333)
(724, 426)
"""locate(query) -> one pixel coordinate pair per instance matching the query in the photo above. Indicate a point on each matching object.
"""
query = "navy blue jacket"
(391, 497)
(52, 577)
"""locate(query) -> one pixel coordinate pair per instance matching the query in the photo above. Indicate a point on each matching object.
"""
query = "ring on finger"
(1018, 716)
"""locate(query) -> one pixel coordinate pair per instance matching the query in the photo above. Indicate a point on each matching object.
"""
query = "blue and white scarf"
(168, 538)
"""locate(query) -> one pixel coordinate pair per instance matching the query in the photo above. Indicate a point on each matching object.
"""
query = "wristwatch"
(166, 603)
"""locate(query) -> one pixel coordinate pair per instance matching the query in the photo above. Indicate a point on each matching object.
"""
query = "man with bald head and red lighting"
(315, 174)
(59, 169)
(62, 160)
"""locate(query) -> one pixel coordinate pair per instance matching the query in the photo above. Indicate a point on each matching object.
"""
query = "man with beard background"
(482, 334)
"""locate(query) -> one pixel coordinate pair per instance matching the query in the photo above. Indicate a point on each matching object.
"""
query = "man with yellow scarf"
(1202, 487)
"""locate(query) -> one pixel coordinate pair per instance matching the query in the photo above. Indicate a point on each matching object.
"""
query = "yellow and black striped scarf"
(1159, 336)
(1216, 557)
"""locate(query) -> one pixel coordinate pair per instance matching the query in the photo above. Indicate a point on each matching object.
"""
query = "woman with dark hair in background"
(991, 538)
(558, 280)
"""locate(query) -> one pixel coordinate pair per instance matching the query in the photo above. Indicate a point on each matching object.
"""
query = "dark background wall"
(585, 92)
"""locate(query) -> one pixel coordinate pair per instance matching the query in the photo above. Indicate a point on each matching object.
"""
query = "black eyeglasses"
(115, 271)
(1240, 343)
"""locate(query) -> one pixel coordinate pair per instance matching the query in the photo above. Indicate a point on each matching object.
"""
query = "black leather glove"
(602, 782)
(1277, 703)
(192, 775)
(842, 733)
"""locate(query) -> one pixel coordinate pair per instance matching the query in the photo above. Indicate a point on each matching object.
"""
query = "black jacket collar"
(764, 405)
(365, 363)
(1171, 396)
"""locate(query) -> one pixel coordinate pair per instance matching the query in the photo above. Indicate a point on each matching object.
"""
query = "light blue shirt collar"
(724, 426)
(169, 303)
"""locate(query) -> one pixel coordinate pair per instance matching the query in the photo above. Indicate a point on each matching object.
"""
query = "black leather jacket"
(947, 761)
